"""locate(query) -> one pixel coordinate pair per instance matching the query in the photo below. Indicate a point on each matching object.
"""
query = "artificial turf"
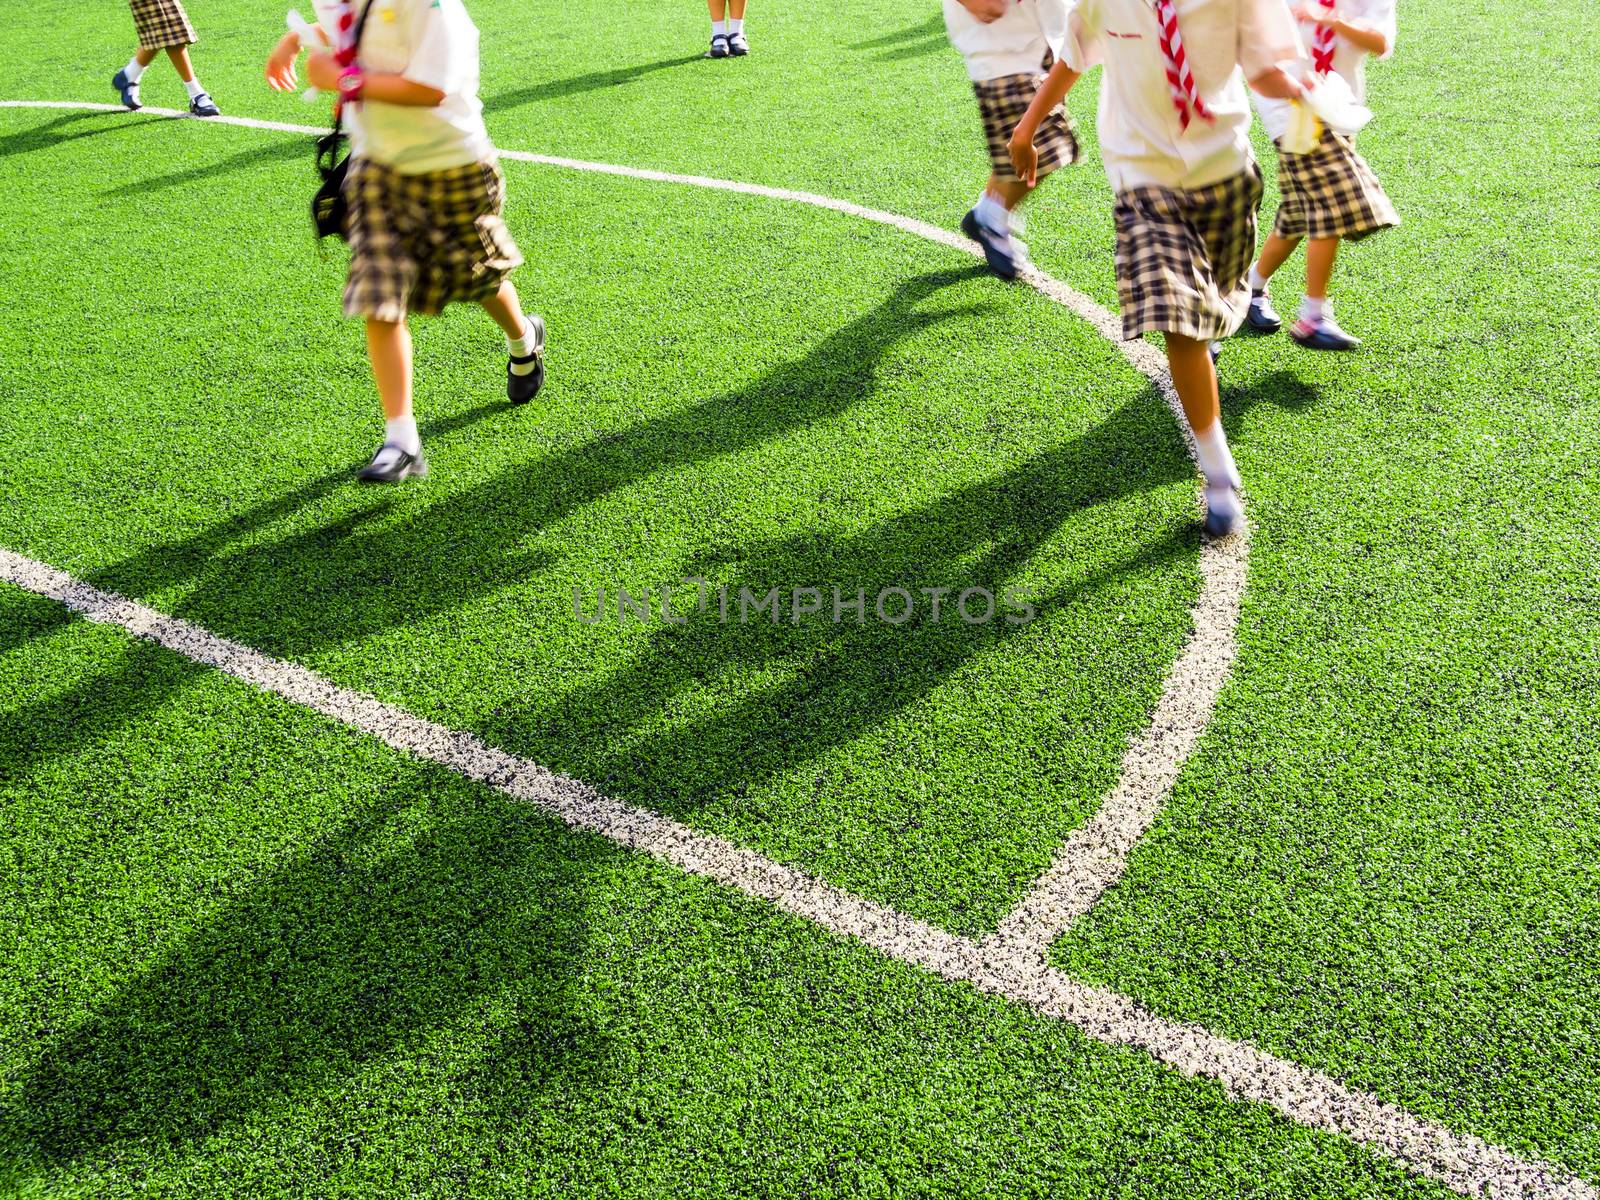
(1379, 862)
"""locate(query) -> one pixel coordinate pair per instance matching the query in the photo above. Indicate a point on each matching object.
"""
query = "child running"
(1008, 46)
(1330, 194)
(1174, 129)
(424, 195)
(162, 25)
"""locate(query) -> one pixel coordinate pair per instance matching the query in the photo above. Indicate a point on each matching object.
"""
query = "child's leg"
(736, 10)
(1010, 192)
(506, 309)
(719, 10)
(389, 352)
(1273, 255)
(1320, 253)
(180, 60)
(1194, 376)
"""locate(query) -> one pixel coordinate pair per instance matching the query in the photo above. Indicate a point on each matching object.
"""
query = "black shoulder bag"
(328, 206)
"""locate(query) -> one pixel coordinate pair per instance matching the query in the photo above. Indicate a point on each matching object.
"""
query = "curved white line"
(1462, 1162)
(1097, 853)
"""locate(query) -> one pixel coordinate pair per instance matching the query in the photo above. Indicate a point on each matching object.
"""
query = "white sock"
(1258, 281)
(402, 432)
(193, 87)
(134, 70)
(992, 214)
(735, 26)
(719, 29)
(1216, 460)
(522, 347)
(1312, 310)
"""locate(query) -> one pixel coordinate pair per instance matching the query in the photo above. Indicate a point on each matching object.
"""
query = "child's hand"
(986, 10)
(280, 63)
(1024, 157)
(323, 71)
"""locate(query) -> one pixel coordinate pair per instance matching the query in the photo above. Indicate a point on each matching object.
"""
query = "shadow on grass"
(244, 160)
(933, 27)
(560, 89)
(411, 916)
(67, 128)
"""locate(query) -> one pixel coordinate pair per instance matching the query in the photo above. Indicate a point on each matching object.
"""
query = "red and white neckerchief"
(1323, 41)
(1185, 92)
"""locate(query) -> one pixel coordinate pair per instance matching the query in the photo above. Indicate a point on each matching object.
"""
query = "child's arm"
(1277, 84)
(1366, 37)
(985, 10)
(1051, 93)
(323, 72)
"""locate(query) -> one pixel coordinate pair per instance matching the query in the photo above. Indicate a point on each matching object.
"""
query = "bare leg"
(1320, 253)
(736, 9)
(1275, 253)
(1195, 377)
(389, 351)
(719, 9)
(180, 60)
(1010, 192)
(506, 310)
(145, 57)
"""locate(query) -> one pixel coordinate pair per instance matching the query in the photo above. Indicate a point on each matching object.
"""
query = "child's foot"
(737, 46)
(1322, 334)
(1006, 256)
(719, 46)
(129, 90)
(1216, 352)
(1262, 316)
(392, 464)
(525, 372)
(1224, 510)
(203, 106)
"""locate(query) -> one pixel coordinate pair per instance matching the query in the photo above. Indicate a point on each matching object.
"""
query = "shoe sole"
(417, 470)
(1310, 344)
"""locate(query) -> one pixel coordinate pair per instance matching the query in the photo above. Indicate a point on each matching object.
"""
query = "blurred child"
(162, 25)
(1008, 46)
(1174, 126)
(1330, 194)
(424, 193)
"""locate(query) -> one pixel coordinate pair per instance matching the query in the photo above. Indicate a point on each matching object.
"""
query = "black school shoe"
(522, 388)
(204, 106)
(1263, 318)
(719, 46)
(129, 91)
(392, 464)
(1006, 256)
(737, 46)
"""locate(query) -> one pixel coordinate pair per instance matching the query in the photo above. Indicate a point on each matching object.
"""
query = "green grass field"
(248, 951)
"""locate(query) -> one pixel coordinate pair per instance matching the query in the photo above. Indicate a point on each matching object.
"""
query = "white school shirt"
(1141, 140)
(431, 42)
(1349, 60)
(1013, 45)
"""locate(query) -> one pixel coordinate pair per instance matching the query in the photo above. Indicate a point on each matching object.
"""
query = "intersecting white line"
(1097, 853)
(1011, 963)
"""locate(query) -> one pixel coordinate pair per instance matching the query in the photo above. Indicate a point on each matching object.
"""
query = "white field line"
(1461, 1162)
(1097, 854)
(1010, 963)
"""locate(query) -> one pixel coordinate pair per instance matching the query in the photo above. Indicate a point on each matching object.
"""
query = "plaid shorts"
(1182, 256)
(417, 242)
(161, 23)
(1002, 103)
(1330, 193)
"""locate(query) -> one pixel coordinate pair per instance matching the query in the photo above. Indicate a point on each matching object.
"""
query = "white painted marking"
(1096, 856)
(1011, 962)
(1461, 1162)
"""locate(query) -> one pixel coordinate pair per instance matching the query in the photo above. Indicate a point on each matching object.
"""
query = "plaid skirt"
(1183, 254)
(418, 242)
(161, 23)
(1002, 102)
(1330, 193)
